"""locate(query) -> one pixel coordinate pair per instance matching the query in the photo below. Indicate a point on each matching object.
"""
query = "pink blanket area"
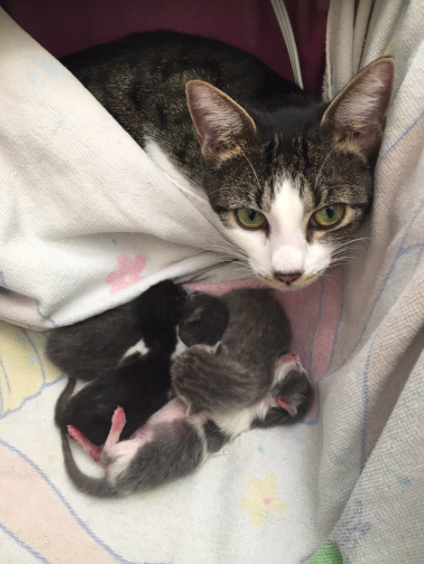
(66, 27)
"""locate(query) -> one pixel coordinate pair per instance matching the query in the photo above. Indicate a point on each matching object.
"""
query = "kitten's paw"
(294, 389)
(118, 420)
(285, 364)
(91, 449)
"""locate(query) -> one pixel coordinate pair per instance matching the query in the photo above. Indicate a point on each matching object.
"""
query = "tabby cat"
(290, 178)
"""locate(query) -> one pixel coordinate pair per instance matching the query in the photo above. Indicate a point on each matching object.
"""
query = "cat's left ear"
(221, 124)
(357, 116)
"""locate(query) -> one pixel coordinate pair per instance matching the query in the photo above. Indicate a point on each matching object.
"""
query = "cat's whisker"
(331, 279)
(343, 261)
(321, 169)
(253, 170)
(346, 247)
(345, 252)
(234, 251)
(352, 245)
(232, 255)
(341, 256)
(244, 268)
(355, 240)
(229, 249)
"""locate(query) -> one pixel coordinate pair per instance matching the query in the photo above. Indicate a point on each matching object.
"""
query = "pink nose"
(288, 278)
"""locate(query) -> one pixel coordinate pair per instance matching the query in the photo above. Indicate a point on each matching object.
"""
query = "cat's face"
(292, 187)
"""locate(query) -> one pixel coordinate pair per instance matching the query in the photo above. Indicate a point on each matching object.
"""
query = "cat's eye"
(250, 219)
(329, 216)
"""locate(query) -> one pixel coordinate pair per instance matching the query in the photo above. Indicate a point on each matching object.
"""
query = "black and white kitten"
(163, 320)
(290, 178)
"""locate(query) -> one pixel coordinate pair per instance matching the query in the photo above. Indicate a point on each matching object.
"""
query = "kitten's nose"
(289, 277)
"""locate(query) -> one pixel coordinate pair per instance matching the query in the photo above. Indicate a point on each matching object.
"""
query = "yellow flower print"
(261, 499)
(24, 368)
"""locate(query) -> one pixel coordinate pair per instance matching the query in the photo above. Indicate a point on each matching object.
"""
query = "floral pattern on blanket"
(24, 370)
(129, 273)
(261, 499)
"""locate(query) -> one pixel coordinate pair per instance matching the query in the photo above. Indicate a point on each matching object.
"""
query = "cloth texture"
(66, 27)
(349, 479)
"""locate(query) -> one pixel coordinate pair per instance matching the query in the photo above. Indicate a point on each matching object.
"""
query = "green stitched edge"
(327, 554)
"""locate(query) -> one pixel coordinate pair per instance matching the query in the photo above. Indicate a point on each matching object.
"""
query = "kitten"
(139, 381)
(94, 347)
(233, 376)
(174, 443)
(290, 178)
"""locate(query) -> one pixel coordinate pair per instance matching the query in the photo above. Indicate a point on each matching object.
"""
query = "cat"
(290, 178)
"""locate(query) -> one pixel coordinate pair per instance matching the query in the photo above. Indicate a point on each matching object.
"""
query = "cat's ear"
(219, 349)
(193, 409)
(221, 124)
(357, 116)
(194, 317)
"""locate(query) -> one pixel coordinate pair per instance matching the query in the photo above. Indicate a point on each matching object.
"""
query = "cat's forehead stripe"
(287, 202)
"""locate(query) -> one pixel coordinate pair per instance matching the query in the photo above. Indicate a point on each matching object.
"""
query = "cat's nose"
(288, 278)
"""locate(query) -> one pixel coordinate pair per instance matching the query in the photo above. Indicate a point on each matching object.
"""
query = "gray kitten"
(257, 334)
(290, 178)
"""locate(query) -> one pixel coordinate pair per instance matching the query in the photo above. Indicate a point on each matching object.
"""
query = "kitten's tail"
(98, 487)
(64, 397)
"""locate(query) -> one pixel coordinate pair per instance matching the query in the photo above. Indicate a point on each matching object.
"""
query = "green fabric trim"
(327, 554)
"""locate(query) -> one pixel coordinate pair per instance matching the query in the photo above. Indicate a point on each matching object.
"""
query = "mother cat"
(290, 178)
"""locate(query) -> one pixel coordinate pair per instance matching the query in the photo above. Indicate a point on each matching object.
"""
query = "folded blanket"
(371, 484)
(87, 221)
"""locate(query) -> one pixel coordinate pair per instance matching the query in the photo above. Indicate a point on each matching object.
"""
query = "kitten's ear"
(194, 317)
(357, 116)
(217, 348)
(221, 124)
(193, 409)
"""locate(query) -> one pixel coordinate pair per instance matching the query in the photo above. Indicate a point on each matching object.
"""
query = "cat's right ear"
(217, 350)
(194, 317)
(357, 116)
(221, 124)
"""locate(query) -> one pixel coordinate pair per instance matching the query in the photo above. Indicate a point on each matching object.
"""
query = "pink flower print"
(128, 273)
